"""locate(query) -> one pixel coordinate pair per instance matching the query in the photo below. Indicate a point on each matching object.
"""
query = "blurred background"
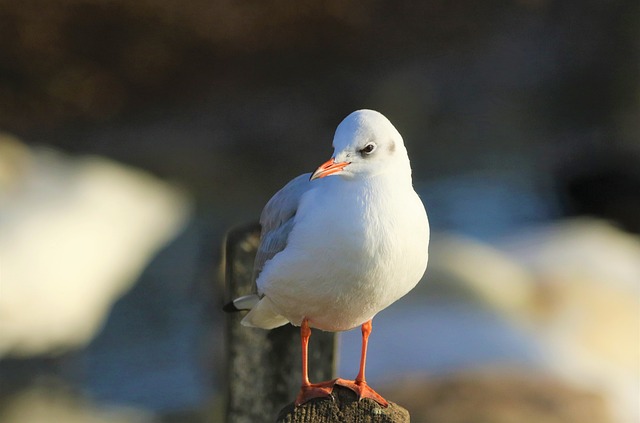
(135, 134)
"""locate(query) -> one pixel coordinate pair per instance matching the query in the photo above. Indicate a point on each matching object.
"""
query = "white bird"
(335, 251)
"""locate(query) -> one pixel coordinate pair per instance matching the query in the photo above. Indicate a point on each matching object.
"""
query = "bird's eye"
(368, 149)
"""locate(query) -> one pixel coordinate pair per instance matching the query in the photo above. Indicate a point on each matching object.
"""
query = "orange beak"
(328, 168)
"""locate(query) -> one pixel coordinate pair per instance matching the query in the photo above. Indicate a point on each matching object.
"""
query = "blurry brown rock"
(498, 397)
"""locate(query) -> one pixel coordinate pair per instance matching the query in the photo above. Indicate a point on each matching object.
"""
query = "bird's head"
(365, 144)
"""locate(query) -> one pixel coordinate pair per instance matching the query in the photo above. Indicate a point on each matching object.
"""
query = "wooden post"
(344, 407)
(264, 367)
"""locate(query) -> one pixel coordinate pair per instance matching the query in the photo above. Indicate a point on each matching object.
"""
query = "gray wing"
(277, 220)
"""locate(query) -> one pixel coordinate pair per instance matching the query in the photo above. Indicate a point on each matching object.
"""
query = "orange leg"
(305, 334)
(366, 331)
(310, 390)
(359, 386)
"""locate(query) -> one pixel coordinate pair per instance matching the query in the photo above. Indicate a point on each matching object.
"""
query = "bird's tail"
(262, 312)
(246, 302)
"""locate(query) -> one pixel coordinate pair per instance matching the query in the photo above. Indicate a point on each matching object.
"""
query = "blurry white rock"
(75, 234)
(481, 271)
(574, 286)
(588, 304)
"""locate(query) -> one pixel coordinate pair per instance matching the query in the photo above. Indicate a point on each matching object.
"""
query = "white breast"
(356, 248)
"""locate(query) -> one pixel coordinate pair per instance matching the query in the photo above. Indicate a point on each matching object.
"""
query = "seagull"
(341, 244)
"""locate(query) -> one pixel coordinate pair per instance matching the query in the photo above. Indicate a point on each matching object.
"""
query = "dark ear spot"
(392, 146)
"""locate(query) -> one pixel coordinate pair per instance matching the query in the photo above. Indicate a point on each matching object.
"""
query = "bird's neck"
(397, 176)
(378, 187)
